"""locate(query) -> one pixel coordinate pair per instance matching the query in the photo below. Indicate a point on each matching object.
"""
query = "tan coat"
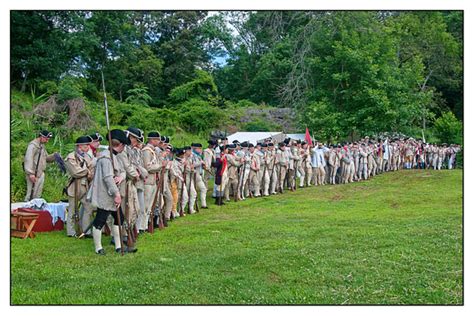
(79, 169)
(151, 164)
(31, 158)
(232, 163)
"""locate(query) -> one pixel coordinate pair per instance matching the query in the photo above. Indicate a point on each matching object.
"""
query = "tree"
(448, 129)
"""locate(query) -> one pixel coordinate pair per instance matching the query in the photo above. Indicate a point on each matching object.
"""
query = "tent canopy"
(255, 137)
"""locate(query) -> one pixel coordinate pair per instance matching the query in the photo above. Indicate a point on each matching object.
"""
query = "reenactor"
(308, 168)
(189, 174)
(408, 155)
(283, 162)
(379, 160)
(345, 164)
(177, 175)
(166, 188)
(95, 144)
(199, 166)
(372, 164)
(104, 193)
(244, 173)
(386, 156)
(233, 162)
(363, 162)
(34, 164)
(294, 162)
(261, 151)
(333, 162)
(150, 162)
(272, 167)
(221, 177)
(78, 167)
(356, 160)
(133, 202)
(208, 155)
(266, 170)
(254, 184)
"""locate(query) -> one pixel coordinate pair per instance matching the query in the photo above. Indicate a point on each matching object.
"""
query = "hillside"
(190, 123)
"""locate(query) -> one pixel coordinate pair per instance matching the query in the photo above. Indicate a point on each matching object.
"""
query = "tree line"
(345, 72)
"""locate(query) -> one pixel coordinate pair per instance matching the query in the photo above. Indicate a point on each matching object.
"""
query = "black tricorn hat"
(46, 133)
(211, 142)
(264, 145)
(197, 145)
(96, 136)
(83, 140)
(187, 147)
(153, 135)
(135, 132)
(119, 135)
(281, 144)
(270, 144)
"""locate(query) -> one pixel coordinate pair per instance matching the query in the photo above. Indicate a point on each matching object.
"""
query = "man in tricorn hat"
(34, 164)
(78, 167)
(104, 193)
(153, 167)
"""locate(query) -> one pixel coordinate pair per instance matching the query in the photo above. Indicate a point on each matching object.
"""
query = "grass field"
(395, 239)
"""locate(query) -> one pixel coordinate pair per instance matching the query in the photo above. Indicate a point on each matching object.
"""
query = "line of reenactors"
(148, 184)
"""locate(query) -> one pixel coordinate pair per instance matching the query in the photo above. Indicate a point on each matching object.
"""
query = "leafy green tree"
(138, 95)
(201, 87)
(448, 129)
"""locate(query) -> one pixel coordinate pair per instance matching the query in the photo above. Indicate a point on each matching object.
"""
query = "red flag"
(307, 137)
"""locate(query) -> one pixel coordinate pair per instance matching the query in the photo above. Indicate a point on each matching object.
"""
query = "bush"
(448, 129)
(197, 116)
(151, 119)
(138, 95)
(70, 88)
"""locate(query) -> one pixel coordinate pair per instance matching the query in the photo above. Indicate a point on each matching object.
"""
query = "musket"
(36, 172)
(262, 186)
(76, 208)
(76, 202)
(111, 156)
(160, 197)
(130, 238)
(189, 190)
(196, 201)
(151, 221)
(295, 167)
(181, 208)
(240, 173)
(271, 174)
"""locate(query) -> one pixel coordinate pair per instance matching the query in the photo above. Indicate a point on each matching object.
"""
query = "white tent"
(255, 137)
(296, 136)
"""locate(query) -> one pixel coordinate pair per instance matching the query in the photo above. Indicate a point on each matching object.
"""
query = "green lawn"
(395, 239)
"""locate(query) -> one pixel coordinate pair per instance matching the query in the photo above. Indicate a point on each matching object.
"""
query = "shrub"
(138, 95)
(198, 116)
(448, 129)
(70, 88)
